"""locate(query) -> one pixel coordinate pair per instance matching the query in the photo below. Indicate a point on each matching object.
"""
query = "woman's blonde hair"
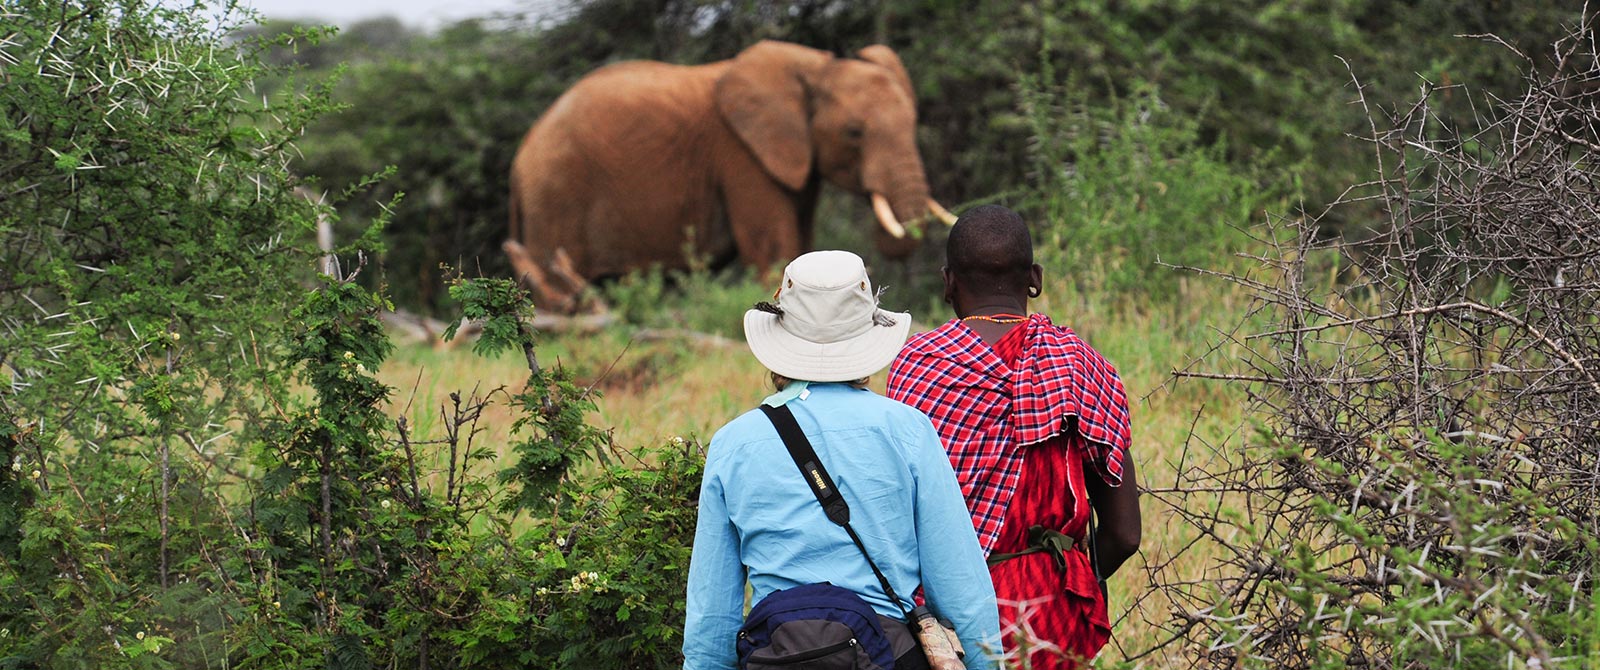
(780, 382)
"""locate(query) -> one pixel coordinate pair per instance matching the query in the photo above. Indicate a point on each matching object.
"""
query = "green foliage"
(602, 574)
(500, 306)
(453, 158)
(314, 46)
(699, 301)
(608, 570)
(1258, 86)
(1413, 498)
(550, 402)
(1125, 190)
(555, 409)
(1504, 581)
(554, 424)
(196, 469)
(149, 240)
(330, 475)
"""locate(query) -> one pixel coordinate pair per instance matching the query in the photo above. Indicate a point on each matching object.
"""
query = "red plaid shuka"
(986, 411)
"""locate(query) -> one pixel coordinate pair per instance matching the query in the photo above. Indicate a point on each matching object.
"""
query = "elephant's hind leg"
(578, 288)
(562, 267)
(546, 292)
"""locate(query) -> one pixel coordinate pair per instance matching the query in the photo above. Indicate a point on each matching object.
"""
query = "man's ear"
(1035, 280)
(949, 285)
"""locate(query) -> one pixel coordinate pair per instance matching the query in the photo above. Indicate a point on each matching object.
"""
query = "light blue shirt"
(760, 522)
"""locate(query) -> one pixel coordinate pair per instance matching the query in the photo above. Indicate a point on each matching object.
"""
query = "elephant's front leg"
(765, 219)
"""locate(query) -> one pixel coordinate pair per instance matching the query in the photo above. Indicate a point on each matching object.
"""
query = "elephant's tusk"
(880, 206)
(939, 211)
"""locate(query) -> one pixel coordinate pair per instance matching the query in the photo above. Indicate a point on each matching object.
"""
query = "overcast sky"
(417, 13)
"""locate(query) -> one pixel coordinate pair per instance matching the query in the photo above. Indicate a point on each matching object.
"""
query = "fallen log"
(415, 328)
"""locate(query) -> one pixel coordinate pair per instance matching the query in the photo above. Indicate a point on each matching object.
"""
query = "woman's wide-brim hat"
(825, 325)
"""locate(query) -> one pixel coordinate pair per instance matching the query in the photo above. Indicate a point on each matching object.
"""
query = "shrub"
(1123, 190)
(699, 300)
(150, 237)
(1419, 493)
(197, 466)
(368, 557)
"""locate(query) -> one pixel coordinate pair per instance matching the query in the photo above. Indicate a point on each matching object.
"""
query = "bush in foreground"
(196, 467)
(1420, 491)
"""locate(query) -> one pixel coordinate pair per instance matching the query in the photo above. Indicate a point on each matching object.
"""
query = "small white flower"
(277, 605)
(543, 591)
(16, 466)
(139, 635)
(677, 440)
(176, 336)
(560, 541)
(384, 504)
(592, 576)
(349, 355)
(361, 368)
(35, 474)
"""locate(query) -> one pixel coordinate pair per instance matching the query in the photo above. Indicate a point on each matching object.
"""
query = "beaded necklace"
(996, 318)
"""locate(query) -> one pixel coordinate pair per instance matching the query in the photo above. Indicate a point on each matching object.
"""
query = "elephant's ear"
(763, 97)
(879, 54)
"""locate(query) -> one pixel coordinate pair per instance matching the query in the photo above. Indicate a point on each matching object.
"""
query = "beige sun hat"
(826, 325)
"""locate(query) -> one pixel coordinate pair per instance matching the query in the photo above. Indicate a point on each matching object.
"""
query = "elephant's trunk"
(898, 176)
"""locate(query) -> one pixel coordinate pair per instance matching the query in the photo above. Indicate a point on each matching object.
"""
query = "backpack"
(814, 626)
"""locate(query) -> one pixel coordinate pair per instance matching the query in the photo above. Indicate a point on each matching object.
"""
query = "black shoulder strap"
(810, 466)
(816, 476)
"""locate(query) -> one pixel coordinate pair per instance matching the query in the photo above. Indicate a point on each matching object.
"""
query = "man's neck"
(991, 306)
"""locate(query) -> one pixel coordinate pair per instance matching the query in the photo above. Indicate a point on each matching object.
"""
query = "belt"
(1049, 540)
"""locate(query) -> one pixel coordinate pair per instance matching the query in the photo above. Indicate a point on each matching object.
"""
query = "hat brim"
(847, 360)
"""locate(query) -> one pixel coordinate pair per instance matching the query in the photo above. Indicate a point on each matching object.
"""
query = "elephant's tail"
(531, 274)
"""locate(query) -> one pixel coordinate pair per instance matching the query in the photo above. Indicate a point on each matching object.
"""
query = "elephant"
(644, 164)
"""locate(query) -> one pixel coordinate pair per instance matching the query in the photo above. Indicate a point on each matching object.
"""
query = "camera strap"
(816, 476)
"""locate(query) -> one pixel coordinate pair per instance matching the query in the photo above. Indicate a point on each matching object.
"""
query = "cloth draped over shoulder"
(987, 413)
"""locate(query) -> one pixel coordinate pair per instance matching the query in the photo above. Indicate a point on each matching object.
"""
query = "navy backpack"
(818, 626)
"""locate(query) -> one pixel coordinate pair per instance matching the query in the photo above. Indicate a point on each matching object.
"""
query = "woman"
(760, 522)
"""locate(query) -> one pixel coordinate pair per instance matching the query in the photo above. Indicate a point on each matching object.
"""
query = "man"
(1036, 425)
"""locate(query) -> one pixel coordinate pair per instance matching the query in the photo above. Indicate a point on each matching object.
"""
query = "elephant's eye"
(854, 131)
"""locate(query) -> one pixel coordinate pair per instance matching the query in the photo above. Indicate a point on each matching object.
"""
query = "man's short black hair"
(989, 249)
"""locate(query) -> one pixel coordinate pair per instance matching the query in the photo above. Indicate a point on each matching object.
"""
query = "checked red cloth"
(986, 412)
